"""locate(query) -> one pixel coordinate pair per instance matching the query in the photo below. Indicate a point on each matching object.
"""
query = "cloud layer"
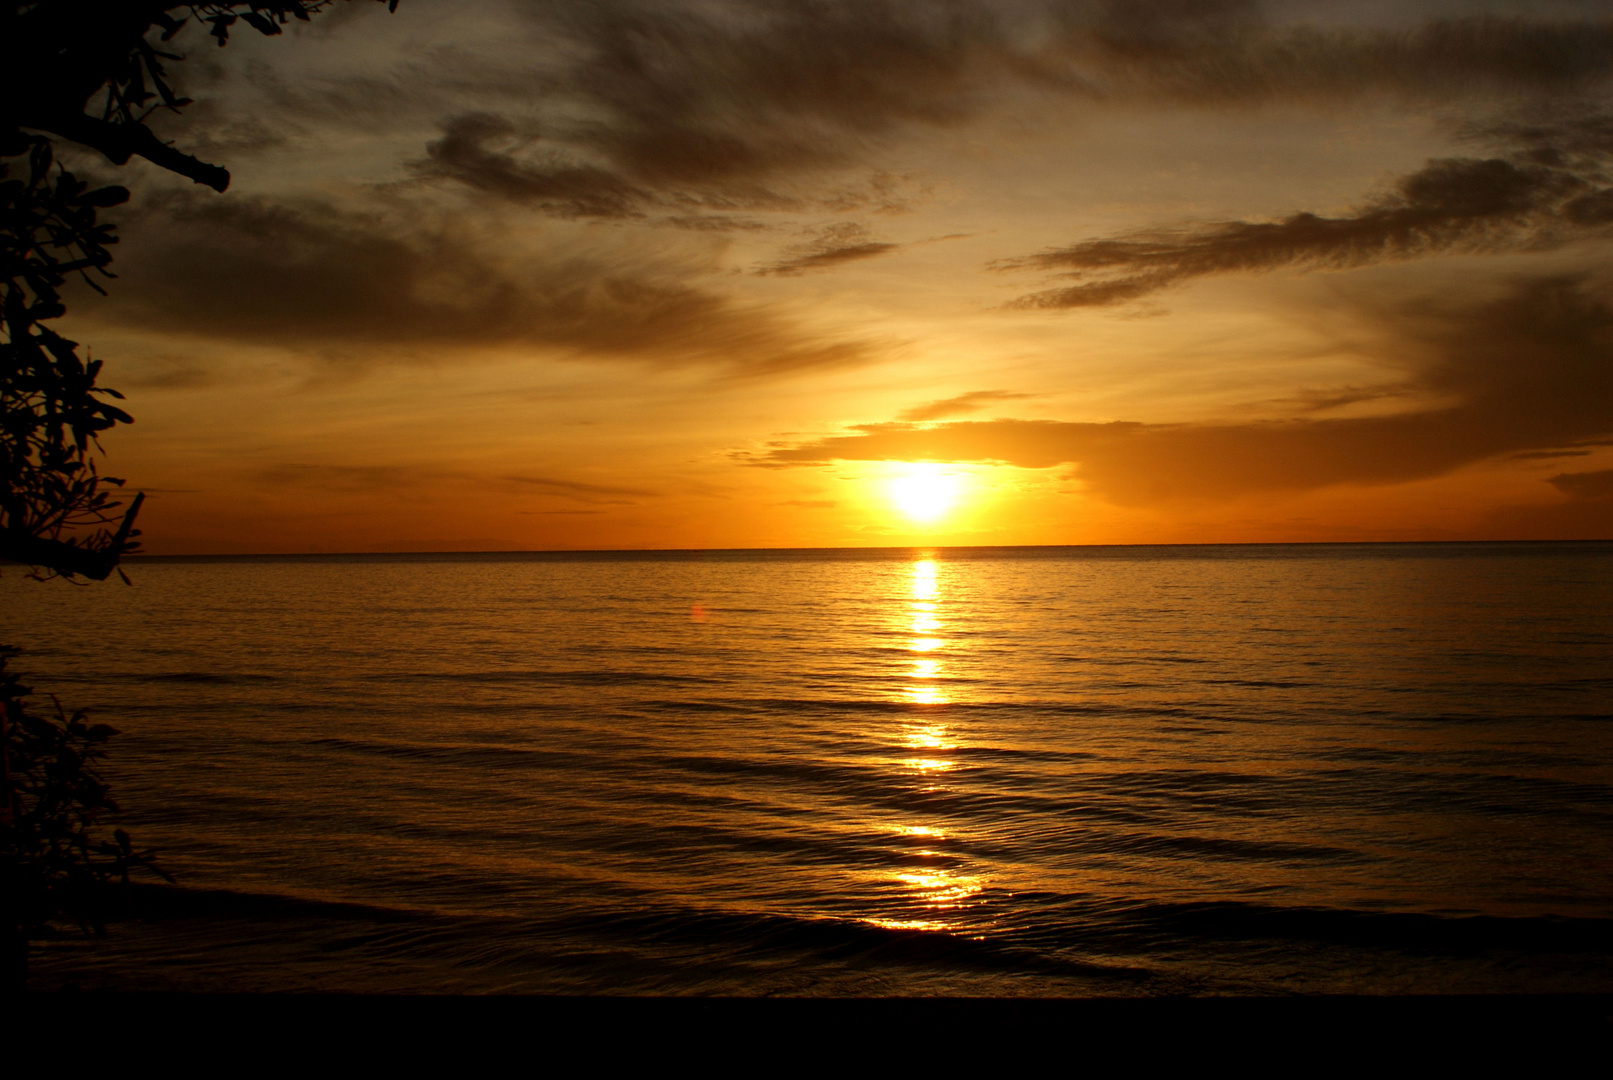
(1530, 370)
(628, 108)
(348, 284)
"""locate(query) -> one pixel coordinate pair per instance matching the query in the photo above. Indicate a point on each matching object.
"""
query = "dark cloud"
(973, 401)
(1461, 204)
(1159, 51)
(489, 154)
(350, 285)
(842, 242)
(713, 223)
(729, 97)
(1530, 370)
(696, 93)
(1585, 485)
(466, 153)
(736, 104)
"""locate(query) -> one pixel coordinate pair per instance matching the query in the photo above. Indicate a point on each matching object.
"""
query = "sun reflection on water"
(939, 891)
(924, 580)
(930, 895)
(941, 887)
(924, 621)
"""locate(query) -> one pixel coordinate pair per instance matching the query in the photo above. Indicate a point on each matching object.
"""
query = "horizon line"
(849, 549)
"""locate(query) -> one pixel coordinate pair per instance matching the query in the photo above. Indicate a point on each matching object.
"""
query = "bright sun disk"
(923, 492)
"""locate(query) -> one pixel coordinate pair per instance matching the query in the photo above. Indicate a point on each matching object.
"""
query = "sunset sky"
(506, 275)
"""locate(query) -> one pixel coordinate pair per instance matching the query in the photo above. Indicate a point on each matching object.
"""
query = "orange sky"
(525, 276)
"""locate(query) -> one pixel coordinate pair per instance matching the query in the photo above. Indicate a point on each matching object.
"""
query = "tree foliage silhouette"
(54, 864)
(90, 73)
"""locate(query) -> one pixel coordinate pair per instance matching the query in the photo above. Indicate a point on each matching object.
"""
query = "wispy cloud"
(973, 401)
(355, 287)
(469, 152)
(1537, 197)
(832, 245)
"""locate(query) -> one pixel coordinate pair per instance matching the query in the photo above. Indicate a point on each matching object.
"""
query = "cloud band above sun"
(1530, 371)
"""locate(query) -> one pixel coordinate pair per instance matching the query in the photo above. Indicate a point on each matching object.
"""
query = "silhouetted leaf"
(113, 195)
(260, 24)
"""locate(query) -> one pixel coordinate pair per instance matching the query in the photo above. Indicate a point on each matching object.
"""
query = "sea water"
(1133, 770)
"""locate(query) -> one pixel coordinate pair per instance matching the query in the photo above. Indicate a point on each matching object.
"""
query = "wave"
(233, 679)
(1096, 943)
(590, 677)
(624, 936)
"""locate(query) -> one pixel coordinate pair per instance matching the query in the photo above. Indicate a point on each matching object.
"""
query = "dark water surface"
(1351, 768)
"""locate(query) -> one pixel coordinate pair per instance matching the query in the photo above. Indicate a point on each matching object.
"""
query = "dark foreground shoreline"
(1312, 1033)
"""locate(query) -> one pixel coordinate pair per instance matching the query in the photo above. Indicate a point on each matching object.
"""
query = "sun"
(923, 492)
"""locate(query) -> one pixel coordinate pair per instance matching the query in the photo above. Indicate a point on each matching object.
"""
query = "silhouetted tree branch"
(88, 72)
(51, 411)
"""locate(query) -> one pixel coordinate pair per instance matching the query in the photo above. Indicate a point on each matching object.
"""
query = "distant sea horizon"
(874, 552)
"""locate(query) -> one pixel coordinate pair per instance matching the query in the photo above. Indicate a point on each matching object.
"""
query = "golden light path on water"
(934, 886)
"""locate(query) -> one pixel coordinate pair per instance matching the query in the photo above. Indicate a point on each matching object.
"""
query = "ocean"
(1257, 769)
